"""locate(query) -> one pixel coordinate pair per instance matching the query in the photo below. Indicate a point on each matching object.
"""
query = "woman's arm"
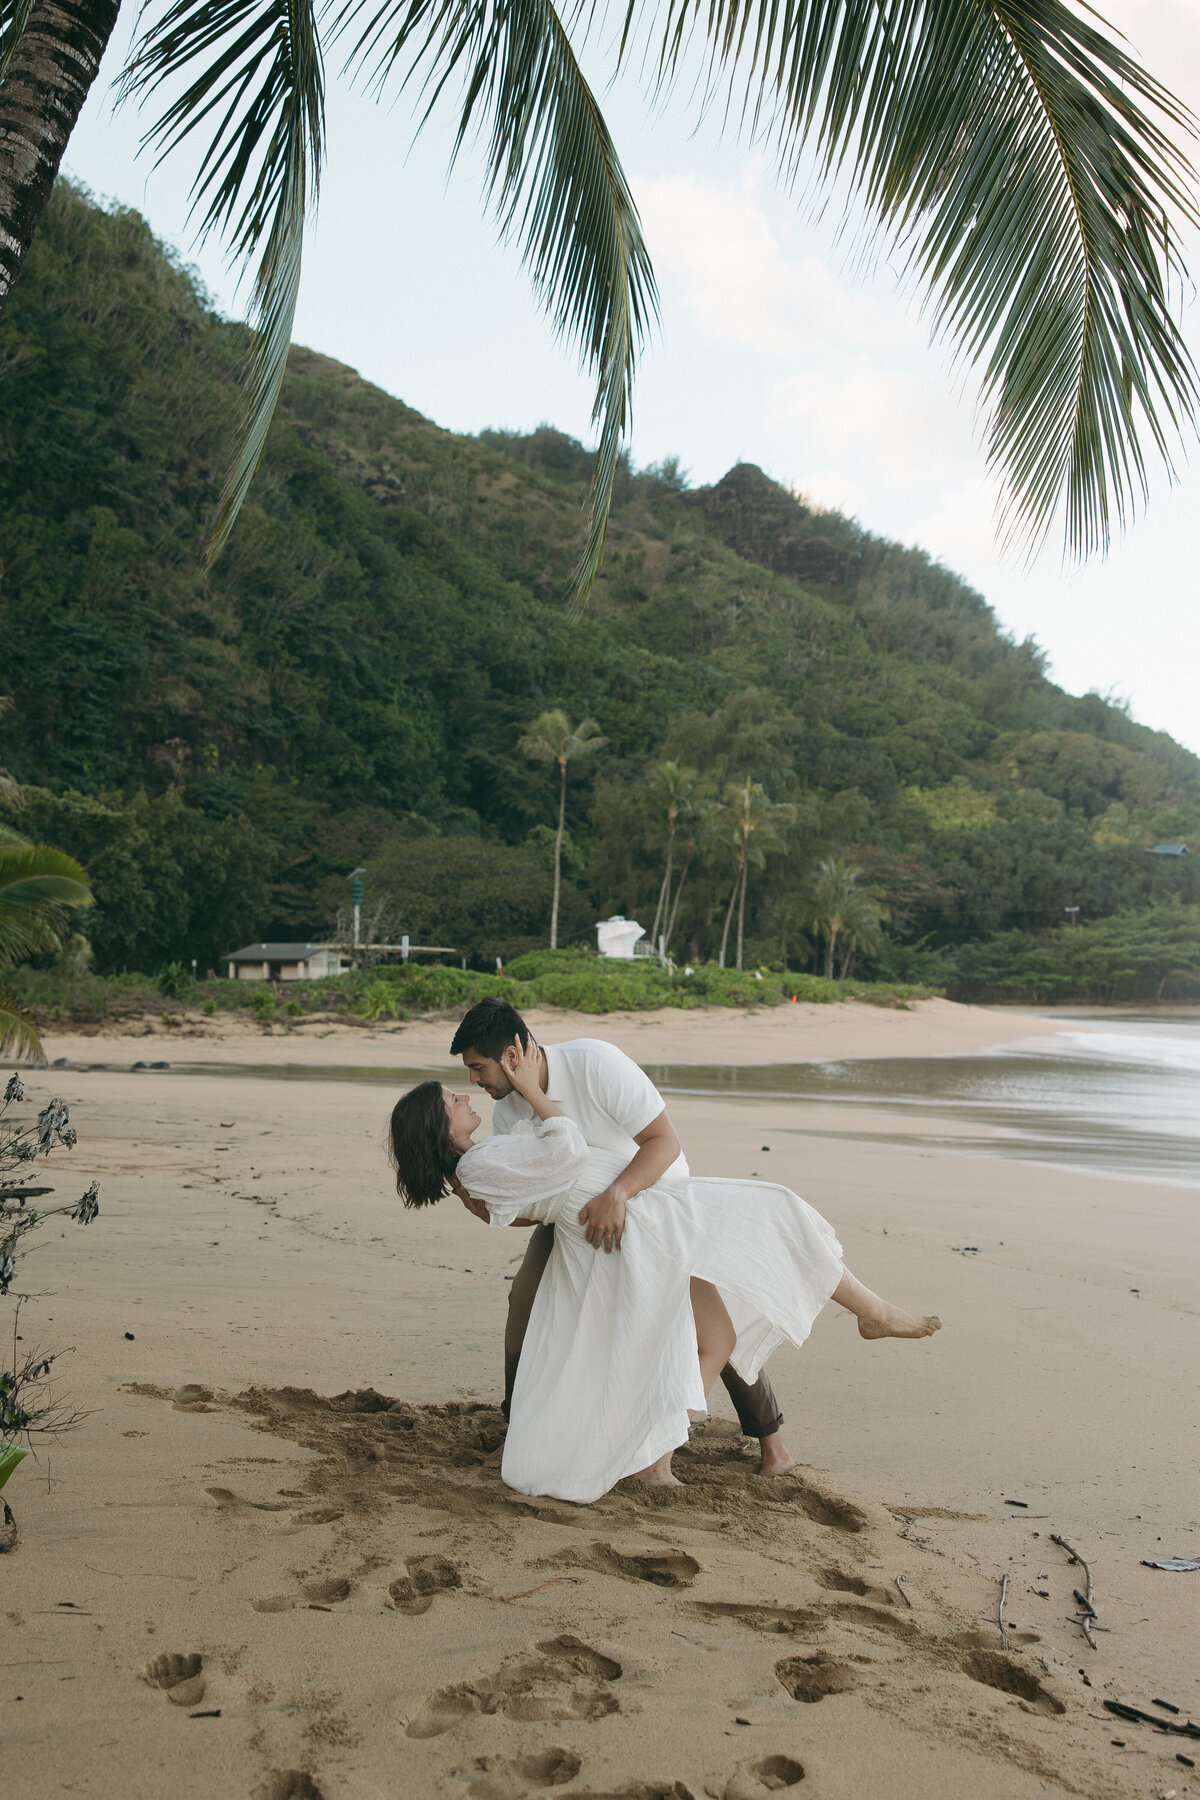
(480, 1207)
(524, 1070)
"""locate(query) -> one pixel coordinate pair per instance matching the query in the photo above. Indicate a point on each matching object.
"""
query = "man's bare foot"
(776, 1459)
(893, 1321)
(659, 1473)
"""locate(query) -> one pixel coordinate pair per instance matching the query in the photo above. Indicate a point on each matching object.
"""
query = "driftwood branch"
(899, 1581)
(554, 1579)
(1087, 1612)
(1000, 1609)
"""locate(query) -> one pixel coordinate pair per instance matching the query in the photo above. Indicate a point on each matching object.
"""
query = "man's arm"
(658, 1147)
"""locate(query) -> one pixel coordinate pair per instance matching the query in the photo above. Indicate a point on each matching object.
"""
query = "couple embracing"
(642, 1284)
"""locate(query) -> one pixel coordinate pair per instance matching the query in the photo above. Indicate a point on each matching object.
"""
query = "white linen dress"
(609, 1367)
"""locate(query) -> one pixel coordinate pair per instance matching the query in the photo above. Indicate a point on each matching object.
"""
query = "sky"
(773, 346)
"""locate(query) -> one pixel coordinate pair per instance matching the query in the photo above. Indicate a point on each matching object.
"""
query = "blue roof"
(1169, 850)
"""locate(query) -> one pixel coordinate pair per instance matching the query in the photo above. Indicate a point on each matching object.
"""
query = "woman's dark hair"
(490, 1027)
(419, 1145)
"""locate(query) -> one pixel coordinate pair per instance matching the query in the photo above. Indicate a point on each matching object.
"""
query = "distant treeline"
(350, 685)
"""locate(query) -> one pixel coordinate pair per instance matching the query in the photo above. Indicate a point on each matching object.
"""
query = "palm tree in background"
(1021, 161)
(670, 789)
(752, 823)
(552, 738)
(36, 885)
(694, 830)
(791, 918)
(840, 908)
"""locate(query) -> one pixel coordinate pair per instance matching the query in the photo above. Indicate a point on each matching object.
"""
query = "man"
(617, 1107)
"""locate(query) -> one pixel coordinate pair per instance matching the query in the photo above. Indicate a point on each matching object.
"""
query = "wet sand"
(349, 1586)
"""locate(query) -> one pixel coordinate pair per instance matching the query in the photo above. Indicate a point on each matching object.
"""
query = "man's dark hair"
(490, 1027)
(419, 1145)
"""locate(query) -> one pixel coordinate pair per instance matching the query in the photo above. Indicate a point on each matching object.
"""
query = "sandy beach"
(277, 1560)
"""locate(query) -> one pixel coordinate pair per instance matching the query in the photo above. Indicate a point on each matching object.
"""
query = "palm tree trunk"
(832, 927)
(742, 914)
(664, 893)
(670, 931)
(667, 878)
(737, 882)
(562, 819)
(658, 911)
(46, 83)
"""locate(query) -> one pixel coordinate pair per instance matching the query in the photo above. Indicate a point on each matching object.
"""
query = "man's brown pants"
(755, 1404)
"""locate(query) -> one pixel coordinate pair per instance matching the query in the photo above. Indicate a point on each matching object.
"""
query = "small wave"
(1160, 1046)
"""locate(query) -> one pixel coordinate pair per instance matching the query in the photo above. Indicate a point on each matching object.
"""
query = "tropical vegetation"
(37, 885)
(1018, 158)
(552, 738)
(219, 748)
(28, 1401)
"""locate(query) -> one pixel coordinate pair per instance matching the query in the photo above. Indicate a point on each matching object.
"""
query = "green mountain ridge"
(349, 683)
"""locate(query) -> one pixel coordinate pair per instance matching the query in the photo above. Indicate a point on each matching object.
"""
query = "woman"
(620, 1349)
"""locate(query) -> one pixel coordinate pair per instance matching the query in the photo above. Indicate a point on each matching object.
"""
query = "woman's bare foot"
(894, 1322)
(775, 1459)
(659, 1473)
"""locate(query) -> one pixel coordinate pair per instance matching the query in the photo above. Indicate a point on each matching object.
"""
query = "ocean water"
(1115, 1095)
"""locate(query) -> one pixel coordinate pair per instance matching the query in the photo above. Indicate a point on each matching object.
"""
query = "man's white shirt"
(603, 1091)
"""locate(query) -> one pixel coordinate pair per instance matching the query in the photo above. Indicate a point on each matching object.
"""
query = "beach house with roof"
(309, 962)
(286, 962)
(1168, 850)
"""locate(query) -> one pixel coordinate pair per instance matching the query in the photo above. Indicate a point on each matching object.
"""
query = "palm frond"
(36, 883)
(261, 91)
(14, 17)
(18, 1031)
(1024, 161)
(554, 180)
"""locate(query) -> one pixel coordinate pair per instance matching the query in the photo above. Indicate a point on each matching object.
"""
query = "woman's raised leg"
(879, 1318)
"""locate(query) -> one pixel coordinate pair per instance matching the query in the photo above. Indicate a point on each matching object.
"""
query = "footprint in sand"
(178, 1674)
(767, 1775)
(427, 1575)
(813, 1678)
(781, 1621)
(639, 1790)
(511, 1778)
(561, 1678)
(842, 1583)
(849, 1612)
(446, 1707)
(995, 1670)
(192, 1398)
(806, 1621)
(320, 1515)
(327, 1590)
(670, 1569)
(227, 1500)
(292, 1784)
(323, 1591)
(825, 1508)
